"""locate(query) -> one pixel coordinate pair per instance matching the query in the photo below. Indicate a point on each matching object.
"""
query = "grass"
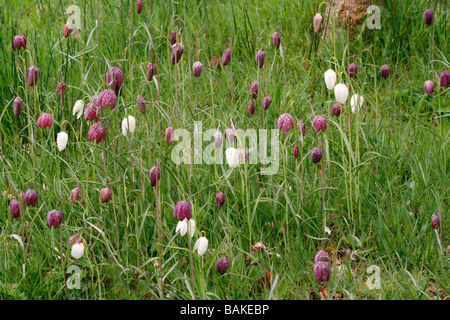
(386, 168)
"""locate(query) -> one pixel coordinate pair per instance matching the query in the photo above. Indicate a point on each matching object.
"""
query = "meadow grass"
(386, 169)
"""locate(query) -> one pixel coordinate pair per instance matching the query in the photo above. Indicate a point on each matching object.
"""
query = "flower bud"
(182, 210)
(322, 256)
(30, 198)
(19, 42)
(106, 195)
(128, 125)
(316, 155)
(139, 5)
(296, 151)
(226, 57)
(45, 120)
(266, 102)
(76, 195)
(321, 272)
(177, 52)
(151, 68)
(435, 221)
(218, 139)
(286, 122)
(385, 71)
(173, 38)
(107, 98)
(17, 105)
(260, 56)
(77, 250)
(251, 108)
(222, 265)
(61, 89)
(276, 39)
(336, 109)
(444, 79)
(14, 209)
(168, 135)
(75, 238)
(220, 199)
(316, 22)
(429, 87)
(197, 68)
(54, 218)
(155, 175)
(115, 80)
(61, 140)
(341, 93)
(254, 89)
(97, 132)
(319, 124)
(90, 112)
(352, 70)
(142, 106)
(330, 78)
(301, 128)
(33, 76)
(428, 17)
(67, 30)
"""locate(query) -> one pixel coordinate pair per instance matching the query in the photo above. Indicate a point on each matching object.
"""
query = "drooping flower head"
(54, 218)
(260, 56)
(235, 157)
(330, 78)
(319, 123)
(90, 112)
(76, 194)
(201, 245)
(276, 39)
(316, 155)
(286, 122)
(115, 80)
(183, 226)
(61, 140)
(151, 68)
(182, 210)
(105, 195)
(75, 238)
(336, 110)
(155, 175)
(316, 22)
(296, 151)
(352, 70)
(226, 57)
(254, 89)
(97, 132)
(139, 5)
(428, 17)
(33, 76)
(107, 98)
(444, 79)
(19, 42)
(68, 29)
(341, 93)
(128, 125)
(173, 38)
(78, 108)
(251, 108)
(168, 135)
(220, 199)
(222, 265)
(77, 250)
(218, 139)
(385, 71)
(429, 87)
(356, 102)
(14, 209)
(45, 120)
(197, 68)
(266, 102)
(61, 89)
(177, 52)
(321, 272)
(30, 198)
(435, 221)
(321, 256)
(17, 105)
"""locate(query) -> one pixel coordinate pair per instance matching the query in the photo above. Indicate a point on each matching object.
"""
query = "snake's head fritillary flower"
(90, 112)
(97, 132)
(183, 226)
(429, 87)
(61, 89)
(61, 140)
(301, 128)
(115, 80)
(321, 272)
(197, 67)
(77, 250)
(222, 265)
(14, 209)
(259, 247)
(317, 22)
(276, 39)
(352, 70)
(251, 108)
(341, 93)
(128, 125)
(321, 256)
(32, 76)
(155, 175)
(444, 79)
(296, 151)
(319, 124)
(336, 110)
(266, 102)
(54, 218)
(182, 210)
(316, 155)
(201, 245)
(105, 195)
(435, 221)
(356, 102)
(254, 89)
(230, 134)
(68, 29)
(385, 71)
(139, 5)
(173, 38)
(76, 194)
(226, 57)
(107, 98)
(30, 198)
(235, 157)
(45, 120)
(75, 238)
(286, 122)
(142, 105)
(168, 135)
(78, 108)
(151, 68)
(17, 105)
(19, 42)
(218, 139)
(220, 199)
(428, 17)
(260, 56)
(330, 78)
(177, 52)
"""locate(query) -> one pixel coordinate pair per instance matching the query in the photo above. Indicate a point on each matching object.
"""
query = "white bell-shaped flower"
(356, 102)
(341, 93)
(61, 140)
(77, 250)
(234, 157)
(330, 78)
(128, 125)
(78, 107)
(182, 227)
(201, 245)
